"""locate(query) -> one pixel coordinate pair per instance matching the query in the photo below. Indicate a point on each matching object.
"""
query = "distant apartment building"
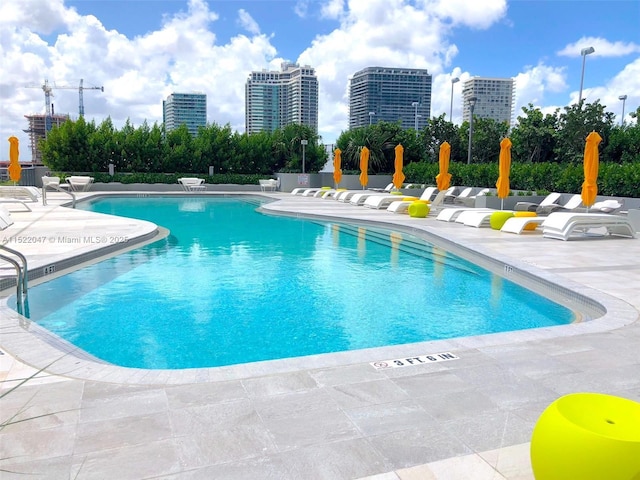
(189, 109)
(495, 98)
(390, 94)
(276, 99)
(39, 125)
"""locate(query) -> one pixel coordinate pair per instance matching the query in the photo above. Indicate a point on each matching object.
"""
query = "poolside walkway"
(321, 417)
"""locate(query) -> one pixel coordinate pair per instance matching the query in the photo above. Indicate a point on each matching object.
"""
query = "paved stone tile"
(204, 393)
(418, 445)
(389, 417)
(122, 432)
(490, 430)
(337, 460)
(355, 395)
(279, 384)
(219, 446)
(345, 375)
(445, 406)
(139, 402)
(263, 468)
(130, 463)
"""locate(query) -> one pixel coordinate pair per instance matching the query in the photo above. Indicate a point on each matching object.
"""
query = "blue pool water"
(231, 285)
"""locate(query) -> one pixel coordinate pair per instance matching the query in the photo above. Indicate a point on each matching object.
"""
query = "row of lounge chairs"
(557, 220)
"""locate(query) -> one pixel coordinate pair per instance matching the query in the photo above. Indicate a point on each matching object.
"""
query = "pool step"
(408, 244)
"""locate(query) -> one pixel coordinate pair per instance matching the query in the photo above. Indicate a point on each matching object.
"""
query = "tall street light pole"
(371, 115)
(415, 124)
(584, 52)
(624, 99)
(454, 80)
(304, 144)
(472, 104)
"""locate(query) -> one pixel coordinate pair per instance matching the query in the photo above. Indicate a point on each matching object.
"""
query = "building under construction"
(39, 125)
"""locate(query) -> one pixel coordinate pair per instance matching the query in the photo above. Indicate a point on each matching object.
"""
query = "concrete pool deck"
(327, 416)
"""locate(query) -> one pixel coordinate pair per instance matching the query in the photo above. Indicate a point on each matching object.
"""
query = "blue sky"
(143, 50)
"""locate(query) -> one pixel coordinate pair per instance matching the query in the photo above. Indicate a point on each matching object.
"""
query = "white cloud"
(247, 22)
(41, 40)
(602, 47)
(332, 9)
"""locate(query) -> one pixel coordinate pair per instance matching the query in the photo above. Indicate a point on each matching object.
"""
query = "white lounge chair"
(26, 194)
(518, 225)
(268, 185)
(5, 218)
(574, 202)
(531, 207)
(79, 183)
(192, 184)
(451, 214)
(470, 200)
(453, 198)
(401, 206)
(568, 225)
(18, 195)
(388, 188)
(476, 217)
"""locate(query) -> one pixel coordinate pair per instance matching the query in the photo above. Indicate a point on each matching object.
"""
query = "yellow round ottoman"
(587, 436)
(531, 226)
(497, 219)
(418, 209)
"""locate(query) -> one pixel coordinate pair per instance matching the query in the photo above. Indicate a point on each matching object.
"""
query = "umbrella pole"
(502, 204)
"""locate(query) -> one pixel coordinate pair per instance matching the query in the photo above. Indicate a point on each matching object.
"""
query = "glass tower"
(390, 95)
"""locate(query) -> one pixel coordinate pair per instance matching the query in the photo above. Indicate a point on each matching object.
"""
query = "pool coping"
(40, 349)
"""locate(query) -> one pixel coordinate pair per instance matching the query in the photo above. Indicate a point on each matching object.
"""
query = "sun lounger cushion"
(497, 219)
(529, 226)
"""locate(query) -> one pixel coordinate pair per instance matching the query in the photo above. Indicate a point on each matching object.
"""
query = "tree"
(533, 137)
(487, 134)
(573, 126)
(435, 134)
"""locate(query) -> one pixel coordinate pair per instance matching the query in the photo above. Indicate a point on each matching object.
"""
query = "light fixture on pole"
(304, 143)
(454, 80)
(415, 105)
(584, 52)
(472, 104)
(624, 99)
(371, 115)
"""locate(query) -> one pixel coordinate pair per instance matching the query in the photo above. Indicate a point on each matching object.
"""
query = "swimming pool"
(231, 285)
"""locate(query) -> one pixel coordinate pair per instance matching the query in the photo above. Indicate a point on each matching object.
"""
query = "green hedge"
(621, 180)
(171, 178)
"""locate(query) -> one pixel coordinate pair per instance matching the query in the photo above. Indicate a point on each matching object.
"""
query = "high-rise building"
(495, 98)
(39, 126)
(185, 108)
(390, 94)
(276, 99)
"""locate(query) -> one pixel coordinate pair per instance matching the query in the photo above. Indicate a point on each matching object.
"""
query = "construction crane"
(48, 93)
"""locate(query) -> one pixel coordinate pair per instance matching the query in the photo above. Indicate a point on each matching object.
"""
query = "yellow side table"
(587, 436)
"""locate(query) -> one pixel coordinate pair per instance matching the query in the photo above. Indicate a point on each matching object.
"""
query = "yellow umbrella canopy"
(590, 187)
(364, 166)
(398, 176)
(443, 179)
(504, 167)
(14, 166)
(337, 160)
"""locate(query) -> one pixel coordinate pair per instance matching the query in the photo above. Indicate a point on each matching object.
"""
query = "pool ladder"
(20, 265)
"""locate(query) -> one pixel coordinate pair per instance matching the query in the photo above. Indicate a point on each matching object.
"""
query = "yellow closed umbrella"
(443, 179)
(14, 165)
(364, 166)
(504, 167)
(337, 160)
(398, 176)
(590, 187)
